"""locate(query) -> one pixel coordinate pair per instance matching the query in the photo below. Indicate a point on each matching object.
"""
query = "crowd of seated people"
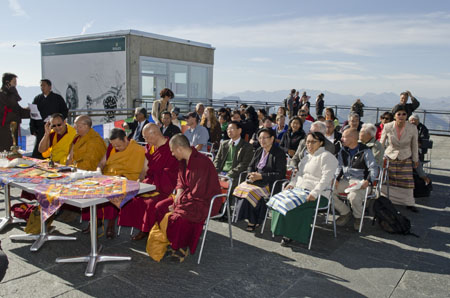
(253, 145)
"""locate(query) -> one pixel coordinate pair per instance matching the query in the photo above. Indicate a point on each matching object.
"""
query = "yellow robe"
(127, 163)
(88, 151)
(59, 150)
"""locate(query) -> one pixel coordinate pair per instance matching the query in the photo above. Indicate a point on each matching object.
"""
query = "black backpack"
(389, 219)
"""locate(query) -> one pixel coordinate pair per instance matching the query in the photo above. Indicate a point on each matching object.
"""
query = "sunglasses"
(55, 125)
(401, 114)
(303, 115)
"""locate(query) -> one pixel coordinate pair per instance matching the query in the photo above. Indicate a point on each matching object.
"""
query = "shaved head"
(152, 128)
(85, 119)
(179, 140)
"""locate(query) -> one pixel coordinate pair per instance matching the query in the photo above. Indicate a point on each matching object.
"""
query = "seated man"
(367, 137)
(57, 139)
(356, 163)
(140, 120)
(197, 135)
(301, 150)
(168, 129)
(234, 155)
(160, 170)
(88, 146)
(197, 184)
(123, 158)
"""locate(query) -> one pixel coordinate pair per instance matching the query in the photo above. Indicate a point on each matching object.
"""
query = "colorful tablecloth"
(117, 190)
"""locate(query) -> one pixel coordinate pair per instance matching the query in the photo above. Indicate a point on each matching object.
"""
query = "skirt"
(401, 173)
(297, 224)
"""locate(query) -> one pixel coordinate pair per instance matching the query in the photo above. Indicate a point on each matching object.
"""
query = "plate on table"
(90, 183)
(52, 175)
(23, 165)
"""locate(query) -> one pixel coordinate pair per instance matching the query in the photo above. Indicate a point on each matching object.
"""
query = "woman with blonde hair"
(210, 122)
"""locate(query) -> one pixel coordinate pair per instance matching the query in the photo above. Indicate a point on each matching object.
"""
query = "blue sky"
(348, 47)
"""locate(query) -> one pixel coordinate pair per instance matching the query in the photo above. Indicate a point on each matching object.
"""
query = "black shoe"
(413, 209)
(285, 242)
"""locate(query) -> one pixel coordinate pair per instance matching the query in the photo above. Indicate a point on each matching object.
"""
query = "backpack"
(389, 219)
(22, 210)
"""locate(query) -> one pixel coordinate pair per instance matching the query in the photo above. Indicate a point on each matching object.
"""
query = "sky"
(347, 47)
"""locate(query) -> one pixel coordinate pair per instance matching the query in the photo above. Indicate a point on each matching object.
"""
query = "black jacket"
(290, 140)
(275, 168)
(171, 130)
(133, 126)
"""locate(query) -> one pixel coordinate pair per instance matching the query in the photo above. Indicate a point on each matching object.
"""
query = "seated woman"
(291, 138)
(267, 166)
(298, 201)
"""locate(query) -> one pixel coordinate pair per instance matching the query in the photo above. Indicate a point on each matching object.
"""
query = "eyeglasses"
(311, 142)
(303, 115)
(55, 125)
(401, 114)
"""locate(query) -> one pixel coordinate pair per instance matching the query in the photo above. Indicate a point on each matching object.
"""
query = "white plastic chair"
(225, 208)
(209, 154)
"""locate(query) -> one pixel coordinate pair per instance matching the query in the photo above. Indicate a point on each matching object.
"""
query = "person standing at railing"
(409, 107)
(162, 105)
(320, 104)
(358, 108)
(48, 103)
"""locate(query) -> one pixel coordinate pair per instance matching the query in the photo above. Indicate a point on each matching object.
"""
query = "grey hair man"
(367, 137)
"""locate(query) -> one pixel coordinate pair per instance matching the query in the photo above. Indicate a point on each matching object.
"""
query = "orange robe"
(88, 150)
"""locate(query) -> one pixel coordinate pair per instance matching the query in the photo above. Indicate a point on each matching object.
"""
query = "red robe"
(162, 172)
(199, 181)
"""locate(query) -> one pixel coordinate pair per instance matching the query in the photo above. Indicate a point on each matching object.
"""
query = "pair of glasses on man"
(56, 125)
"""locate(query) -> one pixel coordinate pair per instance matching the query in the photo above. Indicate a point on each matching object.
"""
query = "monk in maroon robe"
(161, 170)
(197, 184)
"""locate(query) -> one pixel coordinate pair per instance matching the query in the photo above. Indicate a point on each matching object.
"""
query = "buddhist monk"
(160, 170)
(123, 158)
(197, 183)
(88, 147)
(57, 139)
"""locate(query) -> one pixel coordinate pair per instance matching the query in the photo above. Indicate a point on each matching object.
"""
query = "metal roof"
(123, 33)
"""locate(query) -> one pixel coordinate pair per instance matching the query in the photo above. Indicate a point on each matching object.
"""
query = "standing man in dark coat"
(48, 103)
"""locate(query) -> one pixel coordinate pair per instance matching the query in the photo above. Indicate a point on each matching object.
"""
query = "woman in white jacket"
(293, 208)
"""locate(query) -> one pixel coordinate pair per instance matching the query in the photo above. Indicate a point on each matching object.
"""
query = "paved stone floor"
(370, 264)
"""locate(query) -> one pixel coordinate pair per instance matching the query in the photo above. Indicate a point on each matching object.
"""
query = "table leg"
(43, 237)
(8, 219)
(94, 257)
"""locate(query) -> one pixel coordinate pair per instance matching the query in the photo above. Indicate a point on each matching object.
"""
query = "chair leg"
(234, 218)
(264, 222)
(328, 213)
(132, 230)
(229, 224)
(203, 241)
(363, 210)
(334, 217)
(118, 231)
(314, 223)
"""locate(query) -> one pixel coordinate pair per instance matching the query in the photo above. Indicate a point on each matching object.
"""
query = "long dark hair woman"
(10, 111)
(267, 166)
(291, 139)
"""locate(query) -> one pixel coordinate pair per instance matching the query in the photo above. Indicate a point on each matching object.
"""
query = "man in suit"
(168, 129)
(140, 120)
(235, 154)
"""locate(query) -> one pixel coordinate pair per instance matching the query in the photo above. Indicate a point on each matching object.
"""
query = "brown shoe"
(343, 219)
(139, 236)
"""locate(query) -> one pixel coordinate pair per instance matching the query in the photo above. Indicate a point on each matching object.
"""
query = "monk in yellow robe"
(57, 139)
(88, 146)
(123, 158)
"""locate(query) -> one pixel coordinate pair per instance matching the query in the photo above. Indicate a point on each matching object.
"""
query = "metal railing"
(437, 121)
